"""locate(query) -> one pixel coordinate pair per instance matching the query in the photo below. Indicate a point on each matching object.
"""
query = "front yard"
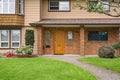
(112, 64)
(40, 69)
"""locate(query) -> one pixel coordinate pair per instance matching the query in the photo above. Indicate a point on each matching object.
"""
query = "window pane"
(5, 6)
(11, 6)
(95, 35)
(54, 8)
(21, 2)
(15, 44)
(64, 5)
(54, 5)
(70, 37)
(4, 45)
(0, 6)
(105, 6)
(4, 35)
(47, 39)
(15, 35)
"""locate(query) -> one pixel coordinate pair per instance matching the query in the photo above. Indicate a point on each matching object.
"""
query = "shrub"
(20, 50)
(25, 50)
(29, 37)
(106, 52)
(116, 45)
(28, 50)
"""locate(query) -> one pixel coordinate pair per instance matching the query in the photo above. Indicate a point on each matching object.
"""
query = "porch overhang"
(93, 21)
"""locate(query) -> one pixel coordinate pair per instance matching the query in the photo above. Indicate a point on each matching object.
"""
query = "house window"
(8, 37)
(7, 6)
(96, 35)
(105, 4)
(21, 7)
(47, 39)
(4, 38)
(15, 38)
(59, 5)
(70, 36)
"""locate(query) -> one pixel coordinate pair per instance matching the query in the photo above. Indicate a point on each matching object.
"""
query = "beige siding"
(74, 13)
(32, 11)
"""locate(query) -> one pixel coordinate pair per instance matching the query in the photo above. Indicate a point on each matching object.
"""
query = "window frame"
(21, 7)
(68, 37)
(49, 10)
(15, 41)
(47, 44)
(10, 38)
(4, 41)
(98, 36)
(8, 12)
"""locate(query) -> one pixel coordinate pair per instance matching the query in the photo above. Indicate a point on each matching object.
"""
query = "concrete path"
(100, 73)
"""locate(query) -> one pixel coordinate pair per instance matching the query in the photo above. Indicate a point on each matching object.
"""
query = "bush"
(29, 37)
(116, 45)
(28, 50)
(106, 52)
(20, 50)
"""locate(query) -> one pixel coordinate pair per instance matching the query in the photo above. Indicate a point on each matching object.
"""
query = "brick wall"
(91, 47)
(68, 48)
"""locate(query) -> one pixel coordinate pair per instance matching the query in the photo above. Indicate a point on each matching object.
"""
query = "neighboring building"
(59, 29)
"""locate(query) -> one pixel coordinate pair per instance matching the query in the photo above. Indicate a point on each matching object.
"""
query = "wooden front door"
(59, 42)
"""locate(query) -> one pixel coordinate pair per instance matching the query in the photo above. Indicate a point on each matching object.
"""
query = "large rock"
(106, 52)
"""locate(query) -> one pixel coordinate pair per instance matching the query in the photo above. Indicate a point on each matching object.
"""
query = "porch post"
(82, 41)
(40, 41)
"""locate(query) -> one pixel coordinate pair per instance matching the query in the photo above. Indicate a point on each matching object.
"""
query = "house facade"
(59, 28)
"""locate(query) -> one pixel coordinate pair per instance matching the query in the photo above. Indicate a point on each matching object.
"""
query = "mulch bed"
(22, 56)
(27, 56)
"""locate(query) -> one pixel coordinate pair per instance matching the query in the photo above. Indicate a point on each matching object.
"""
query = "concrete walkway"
(100, 73)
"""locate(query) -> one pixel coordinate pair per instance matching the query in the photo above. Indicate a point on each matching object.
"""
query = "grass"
(112, 64)
(40, 69)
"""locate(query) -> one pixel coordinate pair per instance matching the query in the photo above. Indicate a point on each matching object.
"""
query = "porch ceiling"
(93, 21)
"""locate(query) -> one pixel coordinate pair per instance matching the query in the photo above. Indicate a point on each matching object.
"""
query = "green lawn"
(112, 64)
(40, 69)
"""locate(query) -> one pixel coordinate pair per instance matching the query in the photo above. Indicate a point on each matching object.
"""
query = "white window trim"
(4, 41)
(8, 8)
(14, 41)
